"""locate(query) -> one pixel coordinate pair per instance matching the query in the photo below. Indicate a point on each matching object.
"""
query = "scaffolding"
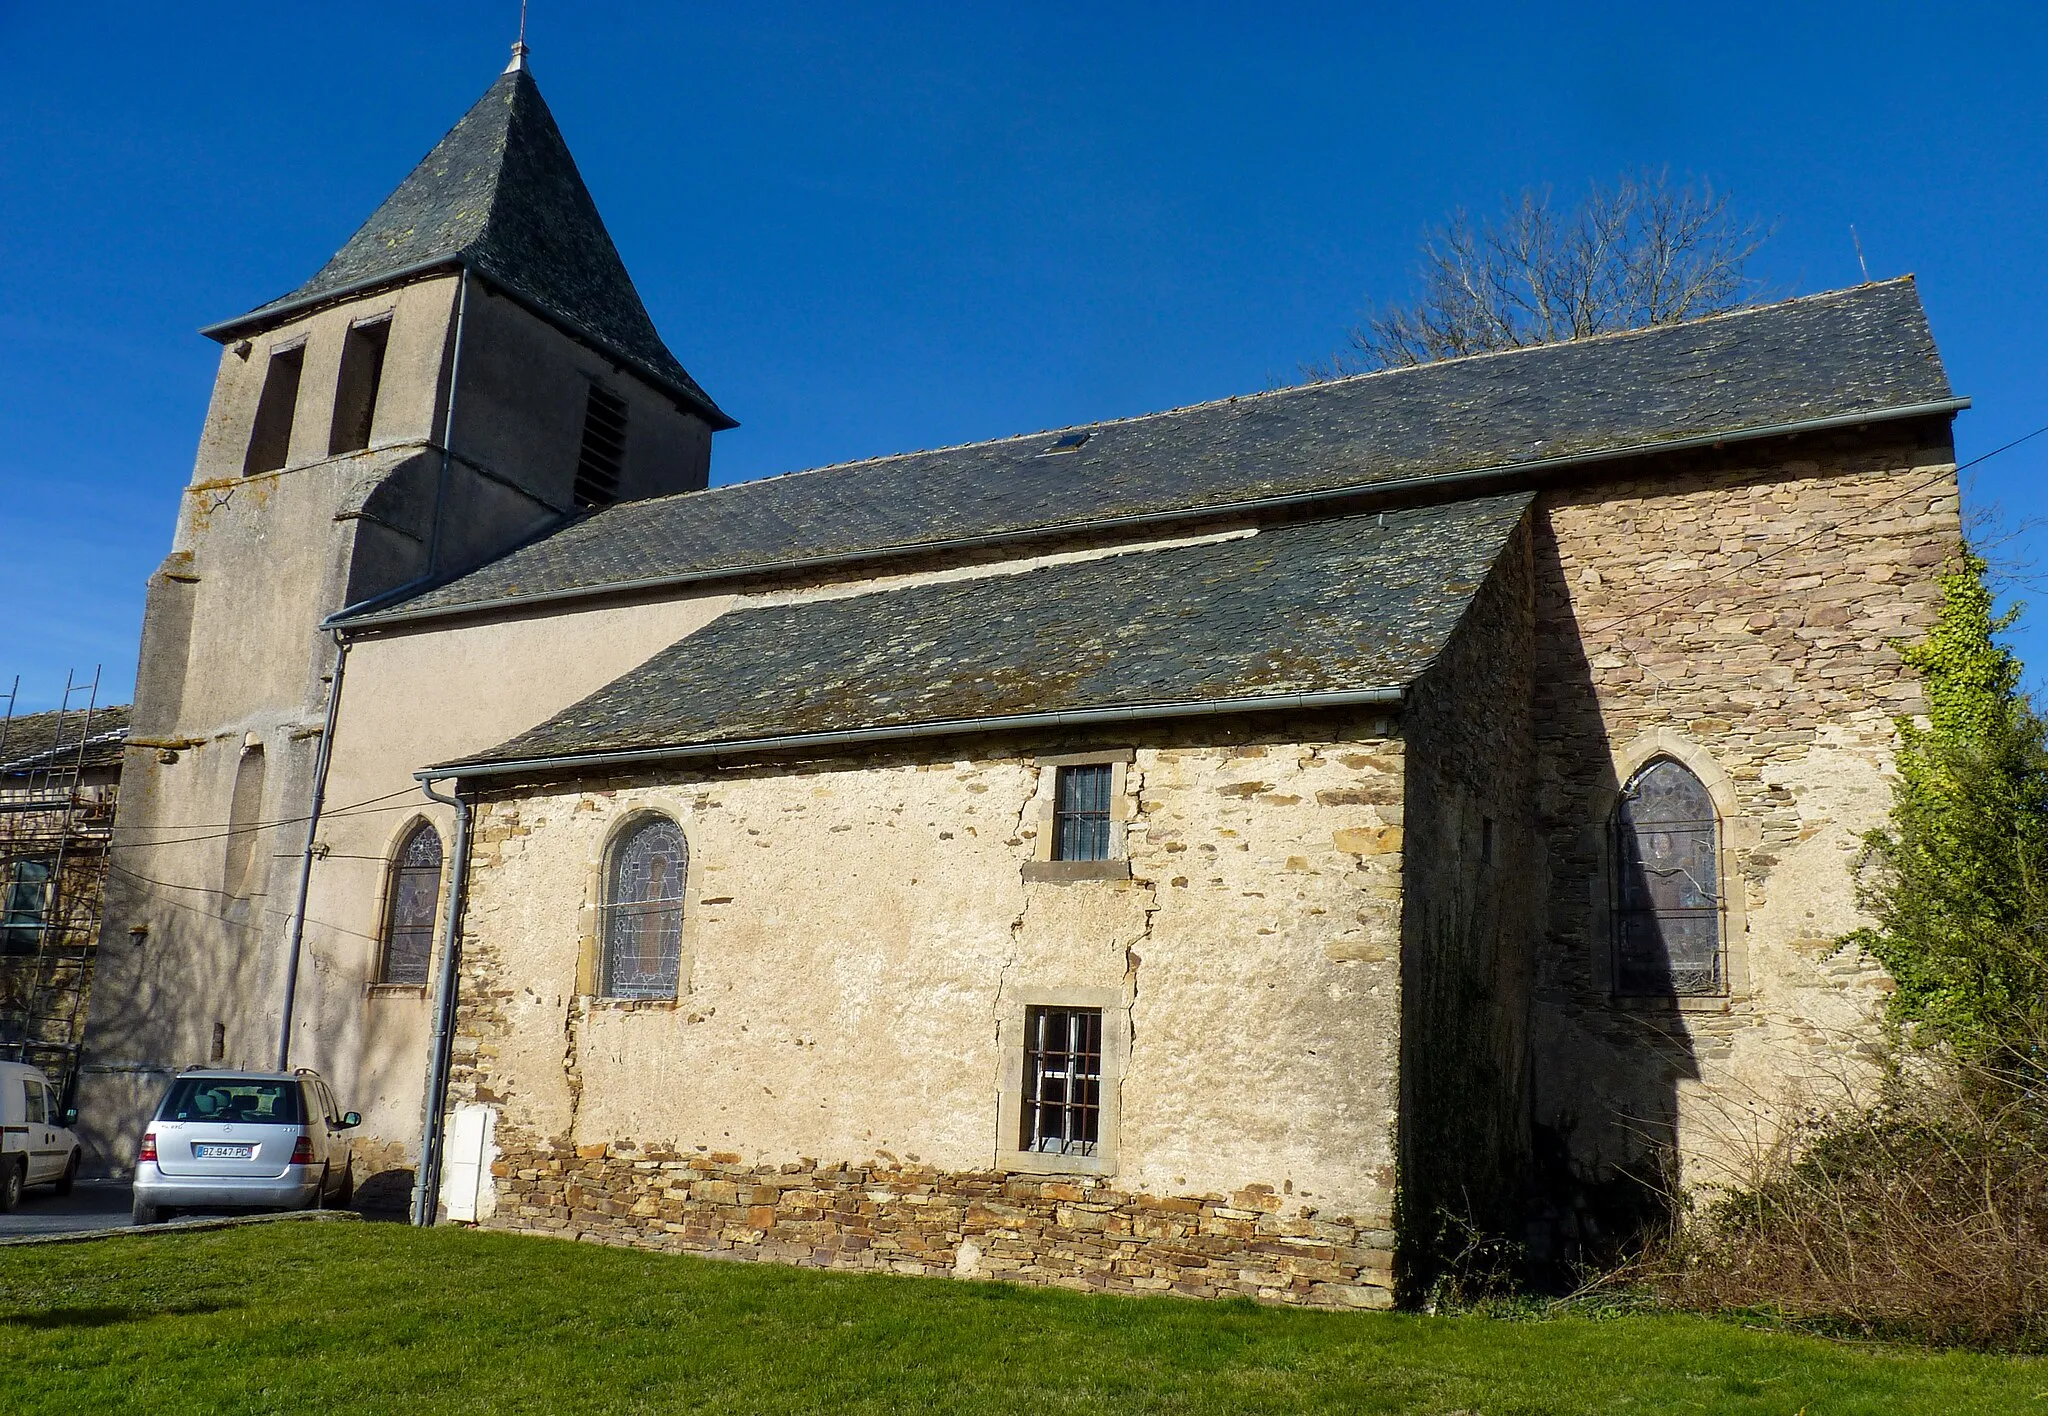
(59, 782)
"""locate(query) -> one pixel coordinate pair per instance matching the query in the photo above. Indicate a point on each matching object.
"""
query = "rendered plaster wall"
(234, 665)
(857, 935)
(1470, 926)
(1738, 615)
(521, 400)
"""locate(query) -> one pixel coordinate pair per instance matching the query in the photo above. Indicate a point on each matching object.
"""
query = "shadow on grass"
(54, 1318)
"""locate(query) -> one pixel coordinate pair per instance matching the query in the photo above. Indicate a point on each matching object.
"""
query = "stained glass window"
(415, 901)
(643, 913)
(1667, 906)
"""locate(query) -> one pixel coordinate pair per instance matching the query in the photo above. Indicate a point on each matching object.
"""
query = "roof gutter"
(1470, 481)
(943, 727)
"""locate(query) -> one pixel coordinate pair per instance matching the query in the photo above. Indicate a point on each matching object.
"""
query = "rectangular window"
(604, 449)
(1062, 1110)
(270, 438)
(355, 393)
(25, 906)
(1080, 817)
(34, 1097)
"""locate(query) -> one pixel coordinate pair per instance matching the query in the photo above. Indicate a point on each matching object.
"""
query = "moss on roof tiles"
(1862, 350)
(1363, 602)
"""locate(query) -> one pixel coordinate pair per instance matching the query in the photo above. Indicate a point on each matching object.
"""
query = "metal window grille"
(1062, 1110)
(643, 916)
(415, 901)
(1081, 813)
(1667, 898)
(604, 449)
(26, 906)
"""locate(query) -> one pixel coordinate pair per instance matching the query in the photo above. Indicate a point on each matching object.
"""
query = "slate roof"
(37, 741)
(1863, 350)
(501, 194)
(1358, 603)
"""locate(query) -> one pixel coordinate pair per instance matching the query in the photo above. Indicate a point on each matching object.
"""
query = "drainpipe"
(448, 428)
(298, 921)
(427, 1180)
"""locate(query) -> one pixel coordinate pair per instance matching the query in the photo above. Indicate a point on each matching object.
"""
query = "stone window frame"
(1042, 868)
(1739, 834)
(1116, 1060)
(590, 917)
(376, 987)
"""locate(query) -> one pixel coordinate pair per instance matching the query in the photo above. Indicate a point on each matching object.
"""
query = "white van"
(36, 1144)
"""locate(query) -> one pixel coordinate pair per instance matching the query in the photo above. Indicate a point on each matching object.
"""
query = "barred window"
(643, 912)
(1062, 1112)
(25, 905)
(414, 894)
(1080, 816)
(1667, 905)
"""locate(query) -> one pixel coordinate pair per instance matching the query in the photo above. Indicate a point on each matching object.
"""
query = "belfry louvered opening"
(604, 448)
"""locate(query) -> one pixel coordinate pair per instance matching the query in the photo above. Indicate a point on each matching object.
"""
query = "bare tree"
(1642, 252)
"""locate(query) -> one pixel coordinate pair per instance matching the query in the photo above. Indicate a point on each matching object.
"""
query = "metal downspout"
(427, 1180)
(448, 426)
(297, 929)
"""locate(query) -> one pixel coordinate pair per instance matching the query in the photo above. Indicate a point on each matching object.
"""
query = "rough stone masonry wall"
(860, 933)
(1468, 935)
(1659, 629)
(1070, 1232)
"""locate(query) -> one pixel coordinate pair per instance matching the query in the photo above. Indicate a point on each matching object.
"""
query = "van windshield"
(231, 1101)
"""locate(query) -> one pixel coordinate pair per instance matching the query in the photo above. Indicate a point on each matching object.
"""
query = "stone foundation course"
(1070, 1232)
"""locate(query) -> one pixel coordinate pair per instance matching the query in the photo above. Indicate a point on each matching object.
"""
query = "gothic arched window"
(1667, 884)
(414, 900)
(643, 911)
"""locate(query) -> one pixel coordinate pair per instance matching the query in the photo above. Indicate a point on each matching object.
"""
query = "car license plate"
(206, 1152)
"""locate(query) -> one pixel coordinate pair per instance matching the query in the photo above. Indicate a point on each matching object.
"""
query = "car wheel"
(320, 1195)
(346, 1195)
(146, 1214)
(11, 1185)
(69, 1178)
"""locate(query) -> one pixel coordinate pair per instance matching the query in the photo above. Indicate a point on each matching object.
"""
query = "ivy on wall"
(1957, 881)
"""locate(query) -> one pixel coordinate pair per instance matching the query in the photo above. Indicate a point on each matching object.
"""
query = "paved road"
(91, 1205)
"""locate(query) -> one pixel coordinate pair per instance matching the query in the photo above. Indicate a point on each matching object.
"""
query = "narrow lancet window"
(270, 437)
(604, 449)
(643, 912)
(415, 900)
(1667, 906)
(355, 393)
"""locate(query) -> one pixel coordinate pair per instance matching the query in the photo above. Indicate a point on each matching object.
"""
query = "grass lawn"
(371, 1317)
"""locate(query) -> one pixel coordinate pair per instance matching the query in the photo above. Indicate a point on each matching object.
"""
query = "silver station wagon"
(256, 1140)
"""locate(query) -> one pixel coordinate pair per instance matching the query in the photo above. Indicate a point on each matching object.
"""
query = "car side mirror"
(71, 1117)
(351, 1119)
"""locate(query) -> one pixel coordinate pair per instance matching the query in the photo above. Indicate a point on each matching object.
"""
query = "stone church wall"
(827, 1088)
(1660, 632)
(1468, 932)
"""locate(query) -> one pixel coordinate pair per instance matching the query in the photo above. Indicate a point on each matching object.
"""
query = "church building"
(1218, 851)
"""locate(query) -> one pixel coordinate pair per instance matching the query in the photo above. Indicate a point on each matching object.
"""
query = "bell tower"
(470, 369)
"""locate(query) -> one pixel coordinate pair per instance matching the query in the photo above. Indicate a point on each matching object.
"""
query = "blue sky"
(866, 230)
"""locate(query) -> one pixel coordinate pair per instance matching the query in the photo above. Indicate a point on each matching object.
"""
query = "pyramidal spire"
(500, 196)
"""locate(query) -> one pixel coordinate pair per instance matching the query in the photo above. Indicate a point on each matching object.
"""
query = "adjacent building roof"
(1841, 356)
(1360, 605)
(42, 742)
(501, 195)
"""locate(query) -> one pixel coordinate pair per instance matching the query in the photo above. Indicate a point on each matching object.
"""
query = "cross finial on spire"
(519, 46)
